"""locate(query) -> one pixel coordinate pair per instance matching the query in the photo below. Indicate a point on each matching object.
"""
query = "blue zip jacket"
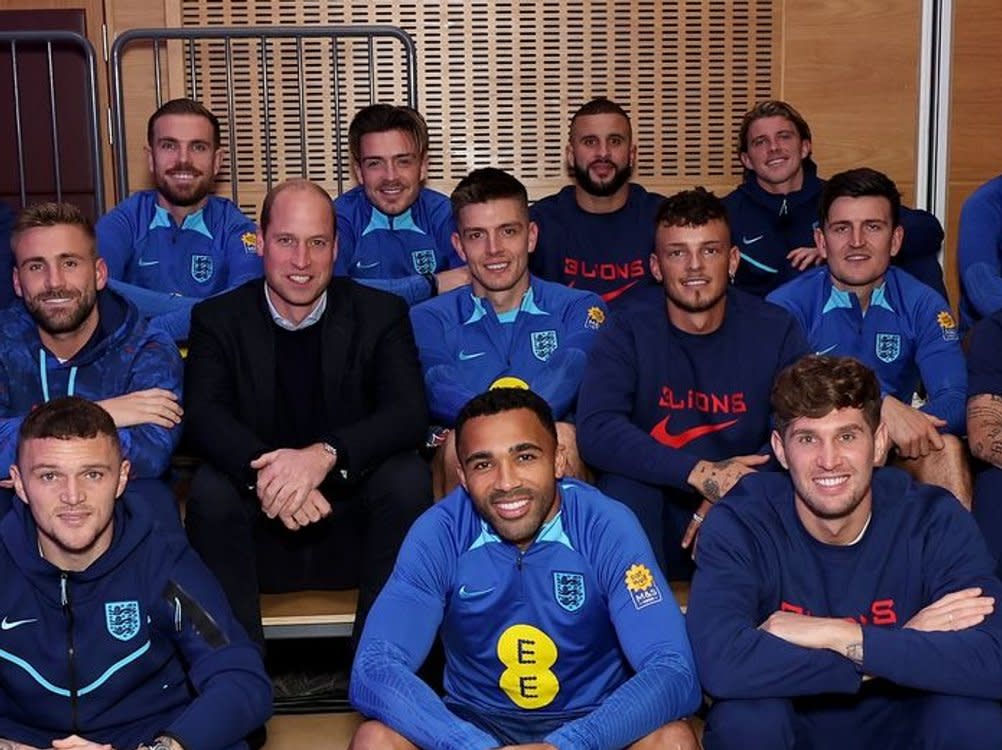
(393, 253)
(906, 335)
(465, 347)
(765, 227)
(979, 254)
(123, 355)
(580, 630)
(163, 268)
(139, 644)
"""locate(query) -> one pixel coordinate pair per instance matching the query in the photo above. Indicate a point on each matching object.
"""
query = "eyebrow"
(844, 428)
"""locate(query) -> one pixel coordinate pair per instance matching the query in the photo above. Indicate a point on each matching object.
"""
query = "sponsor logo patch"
(249, 240)
(595, 319)
(640, 583)
(947, 325)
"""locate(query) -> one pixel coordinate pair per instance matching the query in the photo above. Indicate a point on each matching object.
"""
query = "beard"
(187, 196)
(61, 321)
(699, 304)
(602, 189)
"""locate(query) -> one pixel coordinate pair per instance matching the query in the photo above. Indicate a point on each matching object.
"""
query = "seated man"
(393, 233)
(159, 662)
(69, 335)
(580, 646)
(984, 427)
(506, 327)
(305, 400)
(859, 305)
(597, 233)
(841, 606)
(170, 247)
(674, 403)
(774, 212)
(979, 254)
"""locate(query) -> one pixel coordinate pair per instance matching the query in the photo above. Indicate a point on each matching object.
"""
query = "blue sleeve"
(736, 660)
(964, 662)
(560, 380)
(919, 253)
(115, 242)
(224, 666)
(941, 363)
(149, 447)
(150, 302)
(979, 246)
(984, 366)
(607, 438)
(445, 387)
(413, 288)
(652, 635)
(345, 245)
(242, 264)
(399, 632)
(445, 226)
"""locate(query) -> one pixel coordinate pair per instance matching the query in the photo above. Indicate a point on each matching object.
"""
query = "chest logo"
(424, 261)
(544, 343)
(465, 593)
(11, 624)
(643, 589)
(122, 619)
(528, 655)
(888, 346)
(569, 590)
(201, 268)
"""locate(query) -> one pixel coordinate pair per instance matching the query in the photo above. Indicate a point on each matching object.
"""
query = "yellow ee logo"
(509, 381)
(528, 653)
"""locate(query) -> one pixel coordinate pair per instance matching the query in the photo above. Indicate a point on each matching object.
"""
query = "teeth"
(300, 279)
(831, 481)
(512, 505)
(496, 266)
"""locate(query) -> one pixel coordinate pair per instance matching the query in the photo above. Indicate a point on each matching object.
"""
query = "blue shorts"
(514, 728)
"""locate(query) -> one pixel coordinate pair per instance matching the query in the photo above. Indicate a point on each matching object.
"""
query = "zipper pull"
(64, 598)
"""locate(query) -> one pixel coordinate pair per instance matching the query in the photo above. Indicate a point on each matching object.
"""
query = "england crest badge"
(122, 619)
(544, 343)
(201, 268)
(569, 590)
(424, 261)
(888, 346)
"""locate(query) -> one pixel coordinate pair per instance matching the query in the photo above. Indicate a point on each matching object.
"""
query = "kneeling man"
(558, 627)
(843, 606)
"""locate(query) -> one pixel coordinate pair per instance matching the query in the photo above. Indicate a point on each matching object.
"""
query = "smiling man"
(558, 629)
(844, 606)
(506, 326)
(170, 247)
(114, 633)
(859, 305)
(673, 405)
(394, 233)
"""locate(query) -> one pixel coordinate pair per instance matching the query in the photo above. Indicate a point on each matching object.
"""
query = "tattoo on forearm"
(854, 653)
(985, 433)
(711, 490)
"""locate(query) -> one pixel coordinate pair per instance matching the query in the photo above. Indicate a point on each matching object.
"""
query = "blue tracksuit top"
(465, 347)
(655, 400)
(984, 363)
(755, 557)
(139, 644)
(213, 250)
(906, 334)
(604, 253)
(765, 227)
(123, 355)
(580, 625)
(393, 253)
(979, 253)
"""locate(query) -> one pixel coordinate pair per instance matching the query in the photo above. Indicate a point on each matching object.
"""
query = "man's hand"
(75, 742)
(803, 258)
(914, 433)
(286, 476)
(153, 406)
(11, 745)
(452, 279)
(312, 510)
(714, 479)
(695, 524)
(844, 637)
(957, 611)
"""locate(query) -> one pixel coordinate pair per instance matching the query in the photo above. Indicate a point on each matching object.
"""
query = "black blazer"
(374, 389)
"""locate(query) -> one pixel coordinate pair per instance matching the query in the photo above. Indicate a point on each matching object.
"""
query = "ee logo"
(528, 653)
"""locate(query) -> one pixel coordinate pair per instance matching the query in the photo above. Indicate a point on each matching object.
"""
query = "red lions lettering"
(881, 613)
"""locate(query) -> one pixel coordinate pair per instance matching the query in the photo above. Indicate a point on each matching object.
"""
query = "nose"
(694, 260)
(506, 478)
(54, 279)
(301, 255)
(856, 237)
(73, 492)
(828, 455)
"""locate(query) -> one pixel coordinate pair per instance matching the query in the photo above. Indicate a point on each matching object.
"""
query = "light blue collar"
(840, 299)
(551, 531)
(401, 223)
(194, 222)
(527, 305)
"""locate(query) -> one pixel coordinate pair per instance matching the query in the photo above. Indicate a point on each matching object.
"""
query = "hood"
(776, 203)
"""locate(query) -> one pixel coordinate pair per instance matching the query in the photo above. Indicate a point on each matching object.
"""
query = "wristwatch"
(162, 743)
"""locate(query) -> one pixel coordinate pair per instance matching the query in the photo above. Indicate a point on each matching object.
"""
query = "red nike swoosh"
(660, 432)
(610, 296)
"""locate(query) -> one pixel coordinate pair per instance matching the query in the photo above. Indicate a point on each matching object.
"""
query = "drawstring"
(784, 209)
(44, 375)
(63, 599)
(177, 614)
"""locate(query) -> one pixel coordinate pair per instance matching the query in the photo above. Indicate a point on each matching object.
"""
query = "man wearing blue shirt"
(170, 247)
(859, 305)
(506, 326)
(393, 233)
(979, 253)
(558, 628)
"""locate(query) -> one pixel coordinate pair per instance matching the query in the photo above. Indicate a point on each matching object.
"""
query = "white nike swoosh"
(752, 241)
(464, 356)
(5, 625)
(144, 263)
(825, 351)
(465, 593)
(365, 266)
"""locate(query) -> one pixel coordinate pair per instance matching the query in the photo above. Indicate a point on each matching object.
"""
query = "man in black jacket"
(307, 403)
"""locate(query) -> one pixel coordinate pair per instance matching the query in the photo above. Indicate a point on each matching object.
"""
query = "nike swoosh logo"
(5, 625)
(473, 355)
(365, 266)
(825, 351)
(610, 296)
(144, 263)
(465, 593)
(752, 241)
(660, 432)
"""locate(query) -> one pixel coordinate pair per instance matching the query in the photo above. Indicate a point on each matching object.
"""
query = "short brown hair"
(487, 184)
(184, 107)
(297, 183)
(771, 108)
(691, 208)
(50, 215)
(380, 118)
(68, 418)
(600, 106)
(816, 385)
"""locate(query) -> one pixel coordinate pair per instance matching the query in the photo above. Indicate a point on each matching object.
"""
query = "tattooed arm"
(714, 479)
(984, 427)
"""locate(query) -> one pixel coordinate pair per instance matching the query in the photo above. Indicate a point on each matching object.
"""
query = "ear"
(217, 161)
(149, 157)
(17, 282)
(656, 268)
(745, 161)
(776, 440)
(819, 241)
(100, 273)
(633, 155)
(123, 477)
(881, 444)
(569, 154)
(734, 258)
(805, 149)
(533, 235)
(457, 245)
(424, 168)
(259, 244)
(15, 474)
(560, 462)
(897, 237)
(357, 169)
